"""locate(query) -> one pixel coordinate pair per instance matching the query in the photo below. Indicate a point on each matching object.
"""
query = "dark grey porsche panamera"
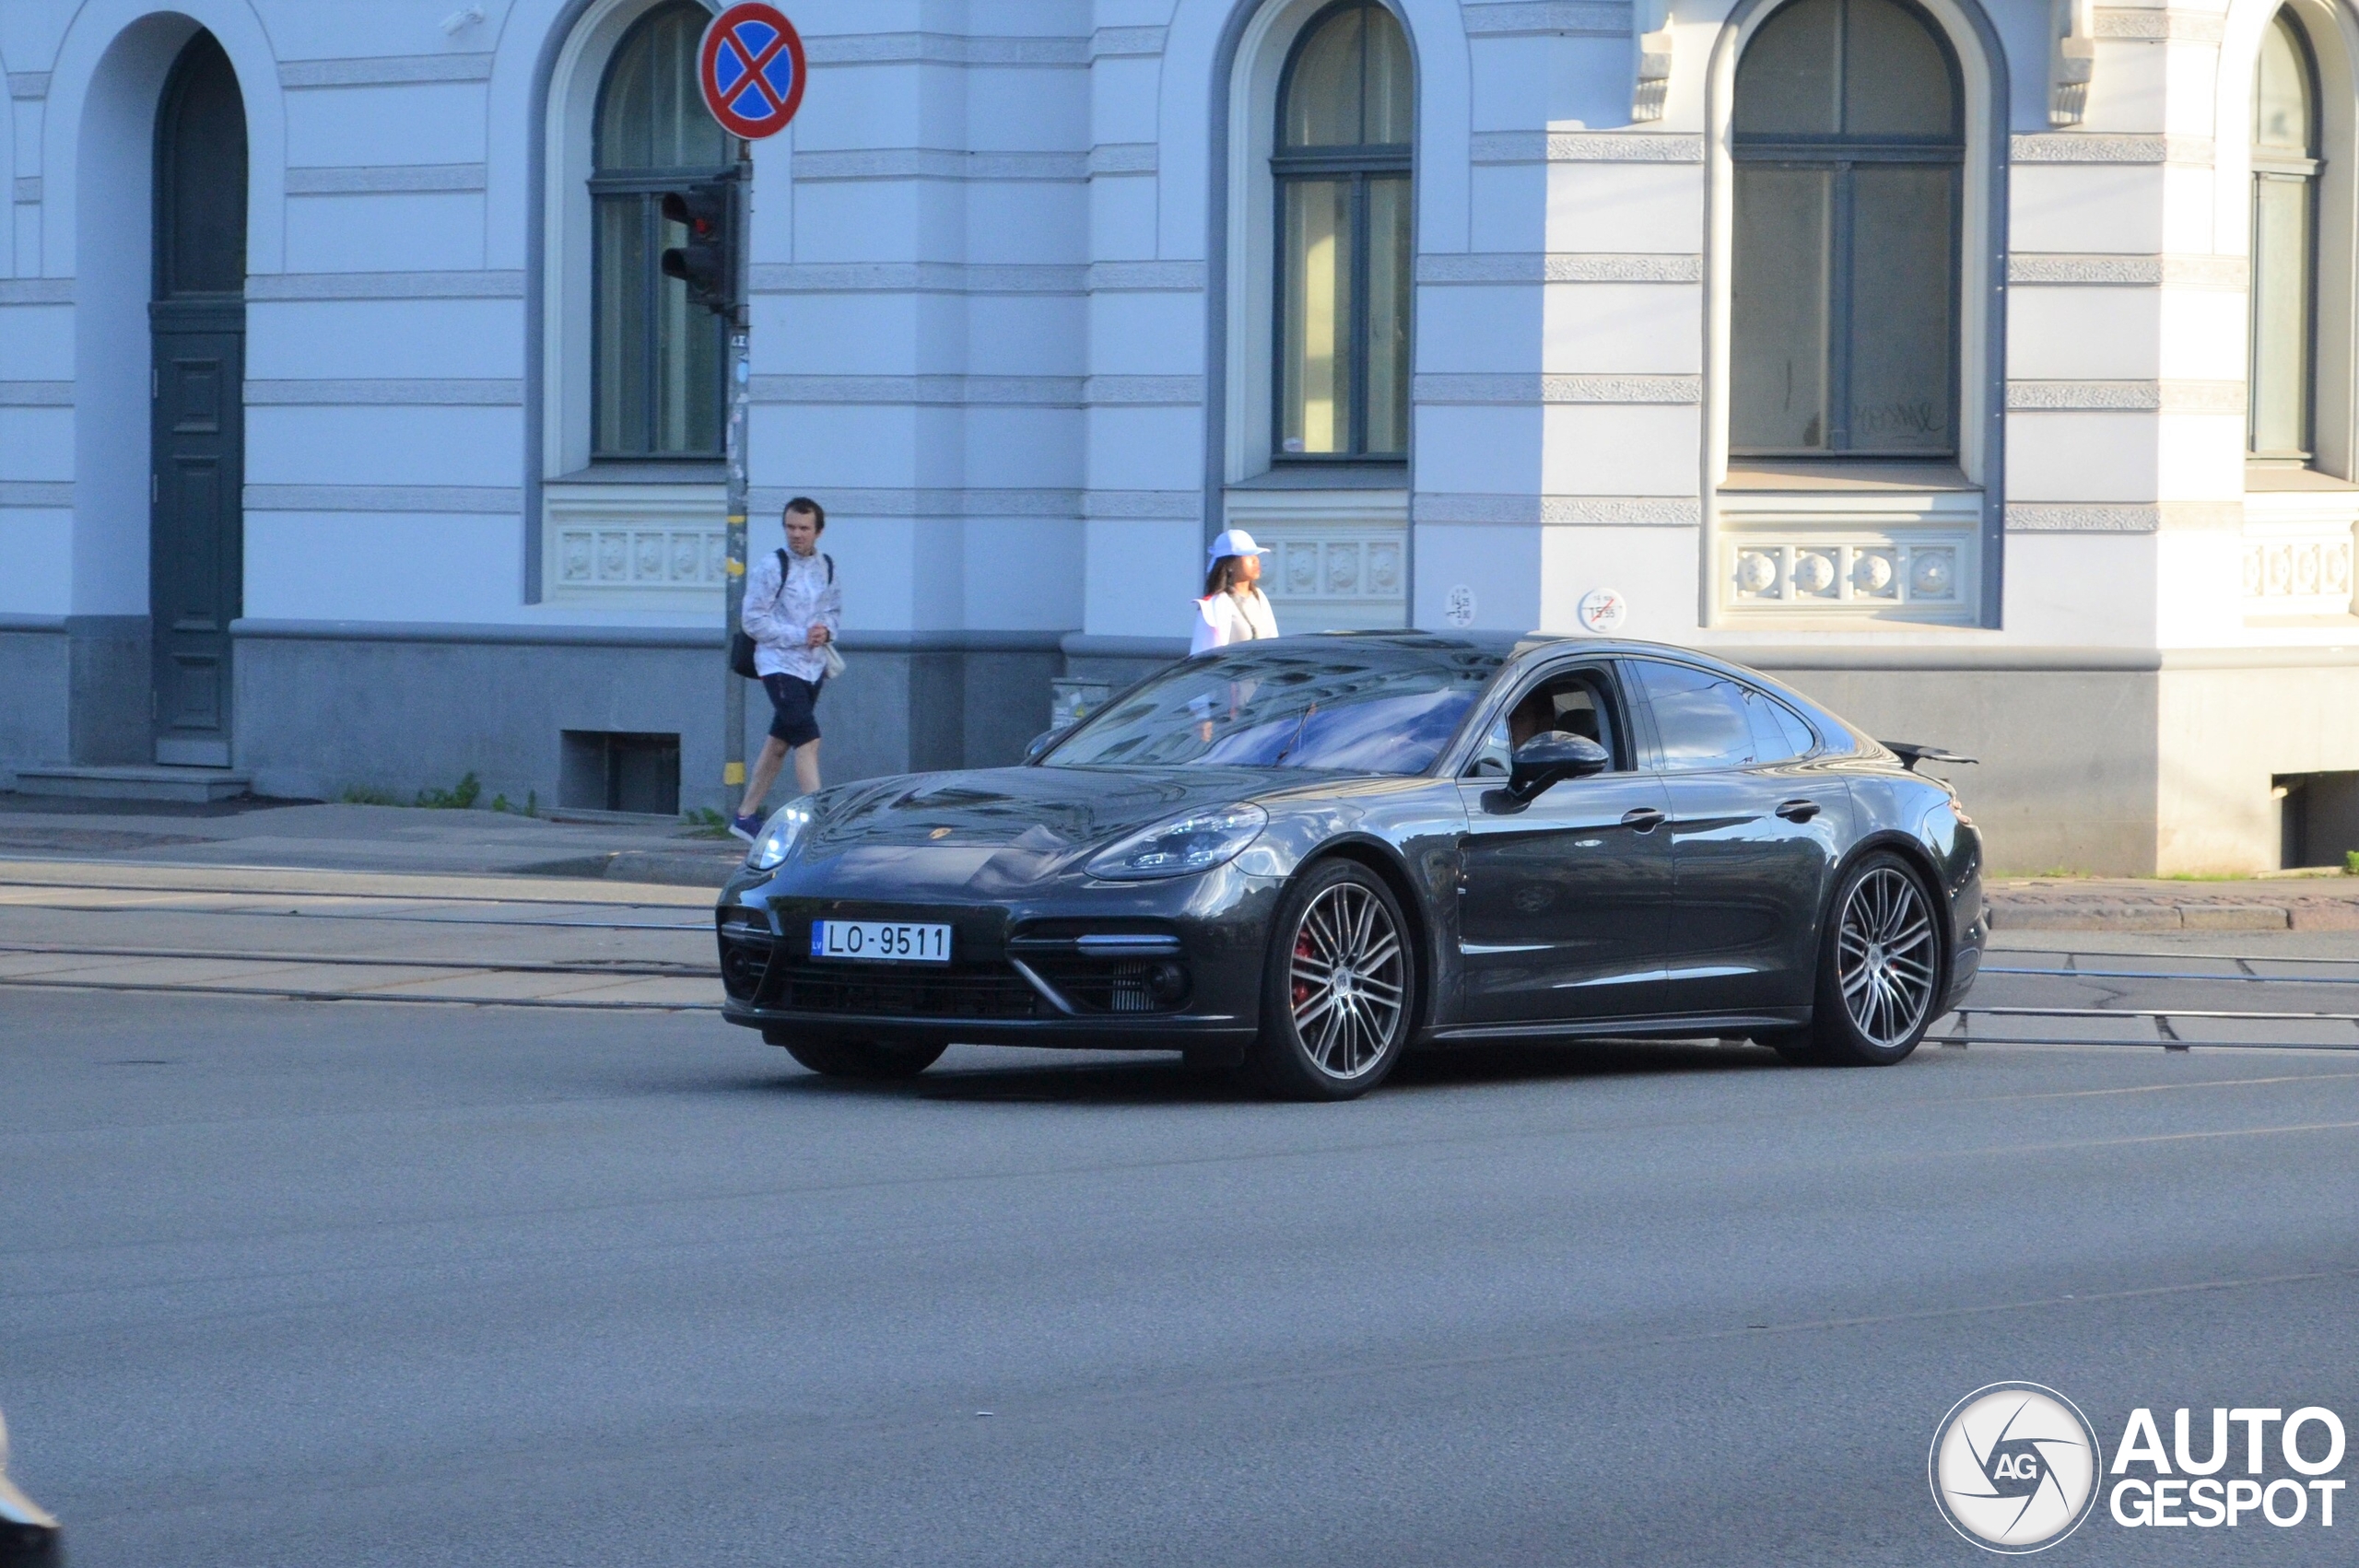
(1307, 856)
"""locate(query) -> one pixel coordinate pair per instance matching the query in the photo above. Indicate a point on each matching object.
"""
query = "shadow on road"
(1157, 1078)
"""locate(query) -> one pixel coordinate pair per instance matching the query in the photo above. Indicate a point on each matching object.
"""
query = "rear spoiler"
(1910, 754)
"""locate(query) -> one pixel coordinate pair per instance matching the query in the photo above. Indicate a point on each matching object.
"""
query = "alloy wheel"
(1885, 956)
(1348, 980)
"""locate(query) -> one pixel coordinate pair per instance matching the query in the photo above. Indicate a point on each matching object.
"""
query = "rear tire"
(1339, 988)
(868, 1060)
(1879, 969)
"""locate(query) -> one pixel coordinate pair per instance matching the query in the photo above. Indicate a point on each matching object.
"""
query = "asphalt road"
(299, 1284)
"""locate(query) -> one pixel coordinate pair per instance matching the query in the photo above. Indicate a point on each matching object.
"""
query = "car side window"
(1580, 703)
(1702, 720)
(1778, 735)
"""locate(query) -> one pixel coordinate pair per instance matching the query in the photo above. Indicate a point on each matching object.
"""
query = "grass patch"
(368, 795)
(704, 823)
(461, 797)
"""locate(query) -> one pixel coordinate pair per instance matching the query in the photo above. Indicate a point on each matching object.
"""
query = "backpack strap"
(831, 566)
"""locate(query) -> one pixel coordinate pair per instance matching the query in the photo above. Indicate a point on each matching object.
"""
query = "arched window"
(2284, 228)
(656, 363)
(1849, 146)
(1347, 107)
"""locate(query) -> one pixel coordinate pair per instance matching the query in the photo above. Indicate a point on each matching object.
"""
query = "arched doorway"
(197, 318)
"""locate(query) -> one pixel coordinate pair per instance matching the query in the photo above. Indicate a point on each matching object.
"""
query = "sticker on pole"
(751, 69)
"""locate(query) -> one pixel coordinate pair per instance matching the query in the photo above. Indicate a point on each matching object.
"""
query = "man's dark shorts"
(792, 703)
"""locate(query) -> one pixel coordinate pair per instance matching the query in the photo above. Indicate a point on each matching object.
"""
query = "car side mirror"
(1043, 740)
(1549, 759)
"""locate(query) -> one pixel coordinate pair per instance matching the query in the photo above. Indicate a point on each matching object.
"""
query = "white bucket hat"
(1235, 542)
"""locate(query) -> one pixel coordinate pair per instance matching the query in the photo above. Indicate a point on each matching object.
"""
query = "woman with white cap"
(1233, 608)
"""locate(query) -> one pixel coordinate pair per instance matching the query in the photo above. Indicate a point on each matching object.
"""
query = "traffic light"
(712, 211)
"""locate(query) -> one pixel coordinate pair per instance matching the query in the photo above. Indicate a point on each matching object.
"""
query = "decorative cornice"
(2151, 517)
(36, 394)
(2126, 397)
(1123, 158)
(916, 278)
(1125, 42)
(1147, 278)
(36, 291)
(1171, 505)
(34, 493)
(1557, 512)
(2045, 268)
(484, 499)
(942, 49)
(2157, 26)
(385, 70)
(2087, 146)
(938, 391)
(1586, 146)
(1526, 389)
(883, 502)
(939, 163)
(1562, 267)
(373, 179)
(1557, 19)
(454, 393)
(491, 284)
(1143, 392)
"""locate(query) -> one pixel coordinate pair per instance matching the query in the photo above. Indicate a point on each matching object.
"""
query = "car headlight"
(780, 834)
(1177, 846)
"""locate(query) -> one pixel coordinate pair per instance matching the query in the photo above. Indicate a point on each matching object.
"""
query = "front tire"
(867, 1060)
(1339, 990)
(1879, 969)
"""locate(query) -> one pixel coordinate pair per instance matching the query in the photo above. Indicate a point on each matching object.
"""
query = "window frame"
(647, 186)
(1838, 155)
(2274, 164)
(1632, 747)
(1360, 165)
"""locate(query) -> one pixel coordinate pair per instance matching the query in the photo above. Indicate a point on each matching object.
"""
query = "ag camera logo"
(2015, 1467)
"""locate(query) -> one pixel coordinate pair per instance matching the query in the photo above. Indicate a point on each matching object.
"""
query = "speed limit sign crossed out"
(750, 66)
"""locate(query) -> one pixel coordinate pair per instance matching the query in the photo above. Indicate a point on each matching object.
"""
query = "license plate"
(891, 942)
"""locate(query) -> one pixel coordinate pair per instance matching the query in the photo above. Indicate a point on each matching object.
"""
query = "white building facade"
(1989, 369)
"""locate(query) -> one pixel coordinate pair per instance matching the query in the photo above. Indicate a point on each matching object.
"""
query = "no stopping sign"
(750, 68)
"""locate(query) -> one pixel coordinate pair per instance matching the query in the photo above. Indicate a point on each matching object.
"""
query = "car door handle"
(1645, 819)
(1797, 810)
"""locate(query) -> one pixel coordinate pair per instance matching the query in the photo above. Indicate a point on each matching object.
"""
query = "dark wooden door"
(198, 444)
(197, 567)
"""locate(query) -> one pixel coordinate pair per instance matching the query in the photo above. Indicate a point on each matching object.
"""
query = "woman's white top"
(1224, 618)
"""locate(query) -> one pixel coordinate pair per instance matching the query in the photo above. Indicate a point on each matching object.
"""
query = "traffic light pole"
(733, 705)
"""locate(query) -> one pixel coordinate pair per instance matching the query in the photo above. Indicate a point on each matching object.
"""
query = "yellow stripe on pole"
(733, 773)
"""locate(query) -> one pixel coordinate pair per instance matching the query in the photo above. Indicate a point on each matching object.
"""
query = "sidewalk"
(361, 838)
(2275, 904)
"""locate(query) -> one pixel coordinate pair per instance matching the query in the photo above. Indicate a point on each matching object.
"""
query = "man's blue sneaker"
(746, 827)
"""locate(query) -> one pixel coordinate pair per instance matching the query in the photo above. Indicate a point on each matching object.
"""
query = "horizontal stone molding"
(2157, 25)
(917, 277)
(1586, 146)
(2045, 268)
(1147, 277)
(490, 285)
(1112, 392)
(1527, 389)
(943, 49)
(488, 499)
(940, 163)
(926, 503)
(2091, 147)
(479, 393)
(2142, 517)
(1038, 392)
(385, 70)
(28, 189)
(1108, 43)
(27, 85)
(375, 179)
(1558, 512)
(36, 394)
(558, 635)
(2126, 397)
(1160, 505)
(1561, 19)
(36, 291)
(1123, 158)
(36, 492)
(1562, 267)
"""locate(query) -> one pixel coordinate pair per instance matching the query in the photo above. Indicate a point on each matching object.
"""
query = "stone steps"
(186, 785)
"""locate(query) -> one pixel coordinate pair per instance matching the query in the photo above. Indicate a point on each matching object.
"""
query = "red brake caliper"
(1301, 985)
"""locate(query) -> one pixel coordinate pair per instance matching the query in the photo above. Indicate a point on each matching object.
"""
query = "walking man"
(792, 612)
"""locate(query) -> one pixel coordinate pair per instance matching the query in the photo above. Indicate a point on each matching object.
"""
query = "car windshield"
(1307, 702)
